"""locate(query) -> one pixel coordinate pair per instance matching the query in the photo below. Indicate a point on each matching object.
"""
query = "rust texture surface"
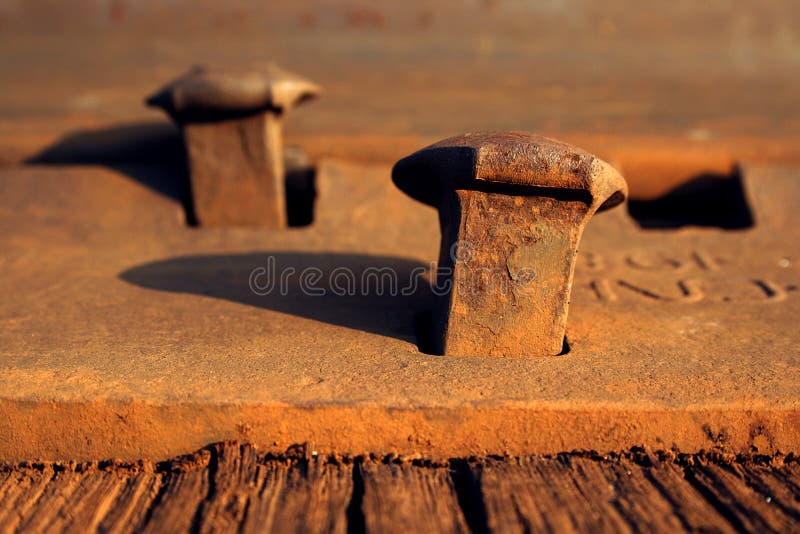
(230, 487)
(128, 334)
(131, 335)
(512, 209)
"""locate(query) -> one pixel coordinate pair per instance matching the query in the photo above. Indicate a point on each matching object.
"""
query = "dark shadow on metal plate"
(378, 294)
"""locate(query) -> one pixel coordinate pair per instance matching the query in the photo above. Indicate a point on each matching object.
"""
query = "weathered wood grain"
(546, 495)
(132, 503)
(230, 487)
(61, 495)
(20, 493)
(741, 503)
(309, 495)
(686, 504)
(400, 497)
(185, 489)
(89, 504)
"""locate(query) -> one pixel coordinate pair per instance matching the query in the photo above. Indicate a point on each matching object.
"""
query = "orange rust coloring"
(231, 123)
(512, 208)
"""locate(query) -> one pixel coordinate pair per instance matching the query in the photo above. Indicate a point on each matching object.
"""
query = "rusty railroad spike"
(231, 123)
(512, 208)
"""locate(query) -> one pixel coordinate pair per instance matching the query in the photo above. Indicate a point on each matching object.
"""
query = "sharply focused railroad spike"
(512, 208)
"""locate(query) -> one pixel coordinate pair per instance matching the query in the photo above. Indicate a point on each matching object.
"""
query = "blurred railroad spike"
(231, 124)
(512, 208)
